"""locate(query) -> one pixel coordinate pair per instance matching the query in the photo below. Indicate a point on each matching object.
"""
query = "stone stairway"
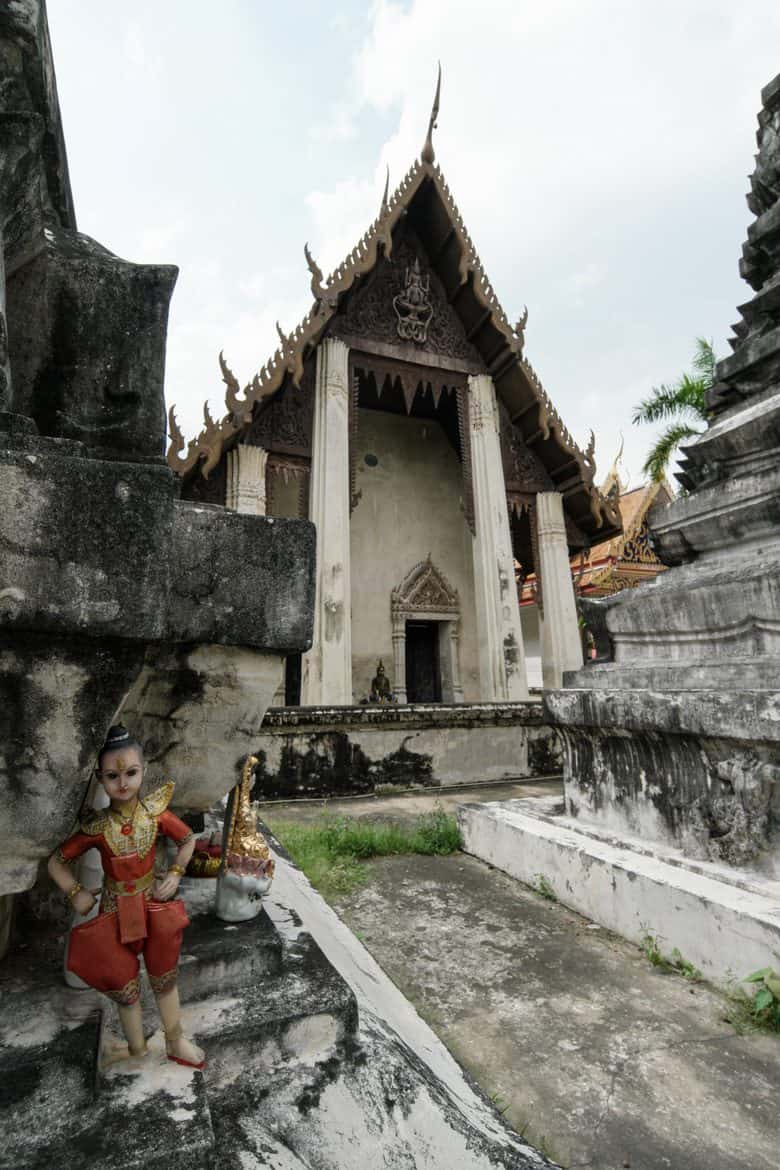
(251, 1006)
(296, 1077)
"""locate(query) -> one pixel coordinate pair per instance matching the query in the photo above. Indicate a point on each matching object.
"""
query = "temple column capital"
(246, 491)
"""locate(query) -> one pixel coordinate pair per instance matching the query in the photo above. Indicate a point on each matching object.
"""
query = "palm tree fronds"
(686, 396)
(705, 361)
(661, 452)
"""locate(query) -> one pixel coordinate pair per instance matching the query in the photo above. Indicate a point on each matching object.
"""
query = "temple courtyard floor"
(596, 1056)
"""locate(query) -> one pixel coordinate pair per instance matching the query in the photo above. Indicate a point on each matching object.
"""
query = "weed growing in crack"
(543, 887)
(499, 1102)
(674, 964)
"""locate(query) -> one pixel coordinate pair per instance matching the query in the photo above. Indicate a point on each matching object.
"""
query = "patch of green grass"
(674, 964)
(759, 1012)
(499, 1102)
(543, 887)
(331, 851)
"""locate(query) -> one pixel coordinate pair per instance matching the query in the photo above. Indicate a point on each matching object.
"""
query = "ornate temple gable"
(424, 590)
(523, 471)
(424, 202)
(637, 548)
(375, 310)
(284, 425)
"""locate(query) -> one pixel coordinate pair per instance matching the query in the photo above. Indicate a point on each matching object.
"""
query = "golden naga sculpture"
(245, 849)
(247, 866)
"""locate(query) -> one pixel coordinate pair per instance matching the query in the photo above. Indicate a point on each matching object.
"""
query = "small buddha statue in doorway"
(381, 691)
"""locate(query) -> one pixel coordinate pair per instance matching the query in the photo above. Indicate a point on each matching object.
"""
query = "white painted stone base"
(725, 922)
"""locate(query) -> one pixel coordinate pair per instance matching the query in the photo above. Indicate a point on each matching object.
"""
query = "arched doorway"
(425, 613)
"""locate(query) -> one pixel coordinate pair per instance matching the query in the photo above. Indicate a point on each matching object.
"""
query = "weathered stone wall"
(104, 573)
(677, 737)
(322, 751)
(410, 507)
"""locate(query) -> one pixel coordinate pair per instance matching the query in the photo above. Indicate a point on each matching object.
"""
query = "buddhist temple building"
(622, 561)
(403, 418)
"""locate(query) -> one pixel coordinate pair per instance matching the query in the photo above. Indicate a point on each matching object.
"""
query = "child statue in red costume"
(138, 912)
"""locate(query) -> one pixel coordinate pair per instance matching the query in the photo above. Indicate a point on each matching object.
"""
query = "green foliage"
(331, 852)
(761, 1011)
(499, 1102)
(674, 964)
(543, 887)
(682, 404)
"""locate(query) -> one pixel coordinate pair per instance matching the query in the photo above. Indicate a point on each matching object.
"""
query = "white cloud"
(596, 151)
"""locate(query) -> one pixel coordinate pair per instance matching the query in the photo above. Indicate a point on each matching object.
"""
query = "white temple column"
(457, 685)
(246, 479)
(327, 667)
(560, 634)
(501, 653)
(399, 659)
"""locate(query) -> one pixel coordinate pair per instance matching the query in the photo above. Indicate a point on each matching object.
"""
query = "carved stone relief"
(424, 589)
(372, 312)
(523, 471)
(413, 306)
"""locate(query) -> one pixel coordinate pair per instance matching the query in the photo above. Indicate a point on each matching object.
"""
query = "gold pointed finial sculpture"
(613, 484)
(428, 154)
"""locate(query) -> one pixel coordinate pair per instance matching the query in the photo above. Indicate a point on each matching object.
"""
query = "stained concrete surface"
(600, 1060)
(405, 807)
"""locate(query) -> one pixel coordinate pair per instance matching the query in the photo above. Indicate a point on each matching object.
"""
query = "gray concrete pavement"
(599, 1059)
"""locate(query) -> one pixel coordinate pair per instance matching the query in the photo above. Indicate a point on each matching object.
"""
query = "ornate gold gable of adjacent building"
(441, 304)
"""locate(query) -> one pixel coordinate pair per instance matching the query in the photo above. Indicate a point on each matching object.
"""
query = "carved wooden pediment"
(372, 310)
(285, 424)
(423, 590)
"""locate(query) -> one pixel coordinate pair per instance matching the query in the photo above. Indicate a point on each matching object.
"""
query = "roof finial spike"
(614, 483)
(386, 193)
(428, 155)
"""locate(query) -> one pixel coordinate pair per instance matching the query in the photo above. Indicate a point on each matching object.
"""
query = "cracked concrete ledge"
(725, 929)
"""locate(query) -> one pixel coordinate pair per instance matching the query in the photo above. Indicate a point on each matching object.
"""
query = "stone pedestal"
(327, 668)
(246, 479)
(560, 635)
(502, 658)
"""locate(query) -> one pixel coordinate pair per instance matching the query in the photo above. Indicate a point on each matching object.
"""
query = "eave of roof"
(455, 259)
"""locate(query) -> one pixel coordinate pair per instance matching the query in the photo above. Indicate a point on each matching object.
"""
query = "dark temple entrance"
(423, 676)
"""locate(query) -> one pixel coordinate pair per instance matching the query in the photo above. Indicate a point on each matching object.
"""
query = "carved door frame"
(425, 594)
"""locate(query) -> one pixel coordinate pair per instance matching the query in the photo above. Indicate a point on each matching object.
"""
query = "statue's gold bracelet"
(76, 889)
(179, 870)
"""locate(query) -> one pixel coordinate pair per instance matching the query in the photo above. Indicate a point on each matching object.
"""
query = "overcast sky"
(598, 151)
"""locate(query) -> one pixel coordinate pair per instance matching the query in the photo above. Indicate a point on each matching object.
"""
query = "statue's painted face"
(121, 773)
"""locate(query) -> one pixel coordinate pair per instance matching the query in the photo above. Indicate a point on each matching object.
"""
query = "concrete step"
(216, 955)
(724, 926)
(253, 1002)
(49, 1044)
(276, 1011)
